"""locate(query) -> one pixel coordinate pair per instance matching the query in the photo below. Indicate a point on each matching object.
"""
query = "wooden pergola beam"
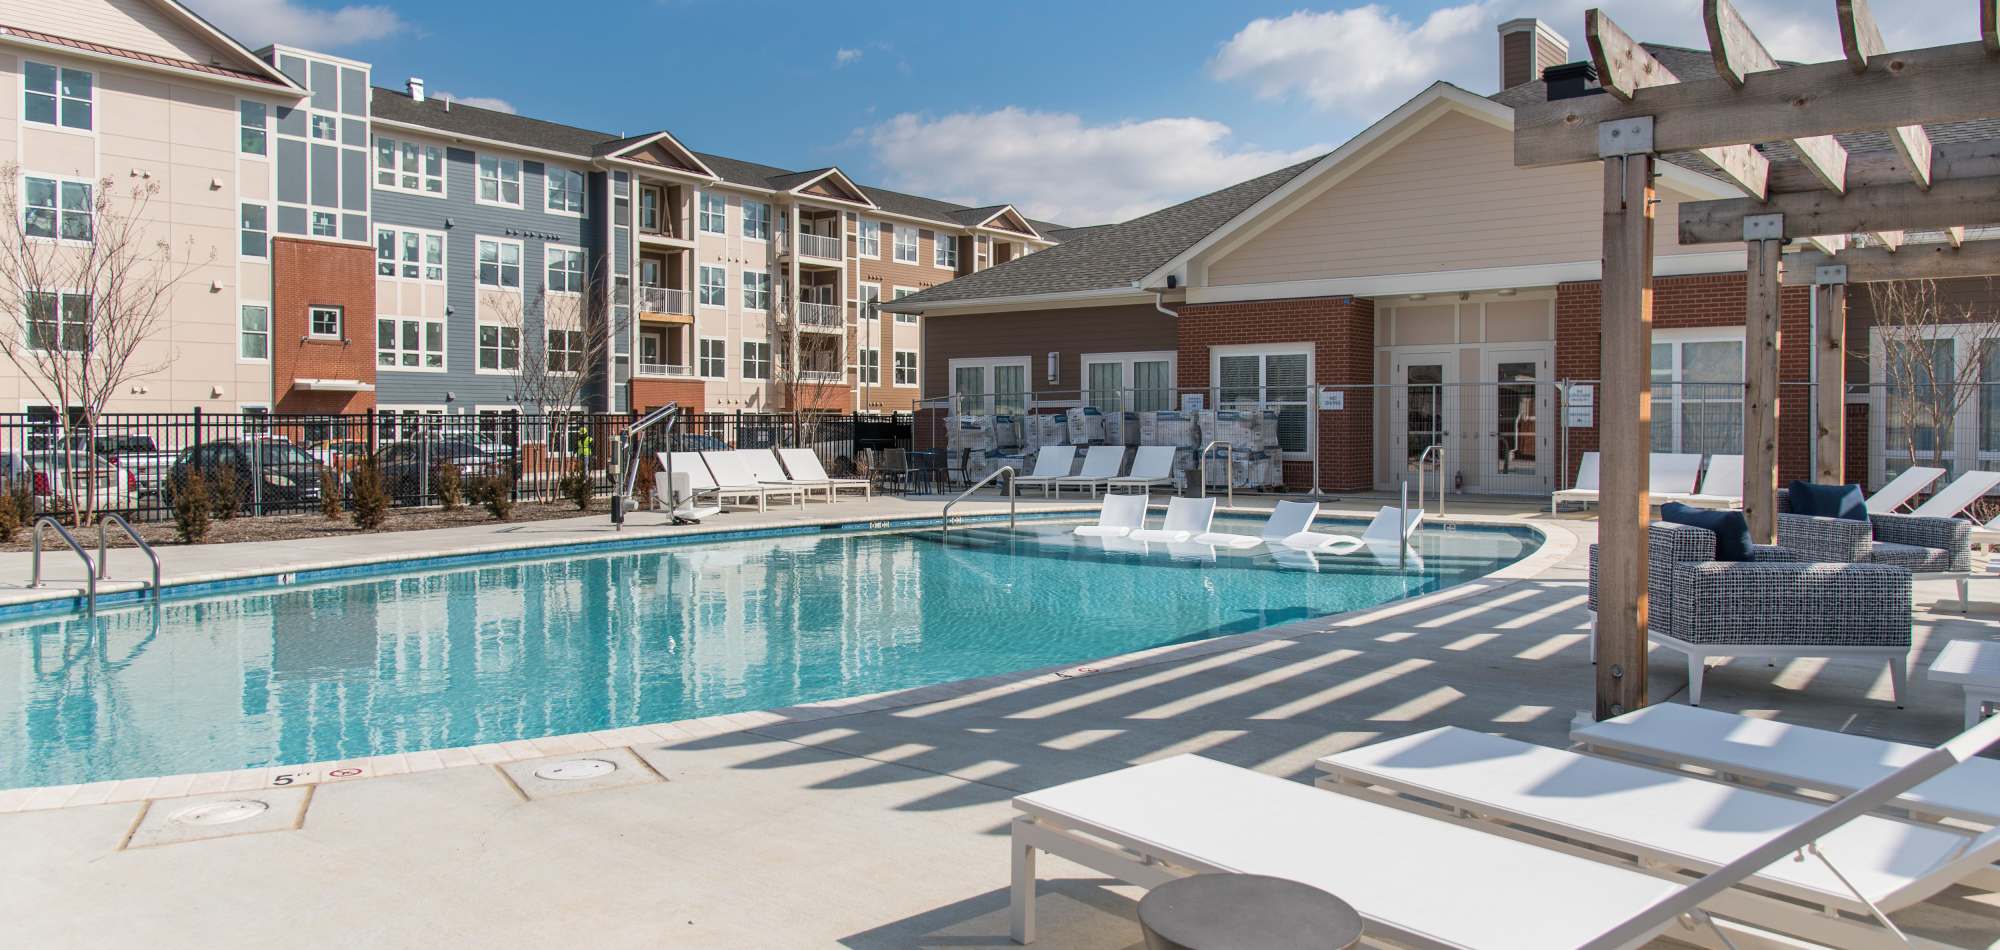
(1913, 262)
(1943, 84)
(1883, 208)
(1624, 67)
(1861, 40)
(1989, 24)
(1739, 53)
(1975, 159)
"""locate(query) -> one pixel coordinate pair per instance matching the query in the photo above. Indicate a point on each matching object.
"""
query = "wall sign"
(1332, 400)
(1581, 403)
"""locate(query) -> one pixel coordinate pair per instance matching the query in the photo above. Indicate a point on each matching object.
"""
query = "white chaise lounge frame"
(805, 468)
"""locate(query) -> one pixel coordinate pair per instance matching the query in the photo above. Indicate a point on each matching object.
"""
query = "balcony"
(822, 317)
(822, 376)
(665, 369)
(663, 300)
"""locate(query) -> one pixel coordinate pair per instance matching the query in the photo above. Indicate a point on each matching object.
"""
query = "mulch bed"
(307, 526)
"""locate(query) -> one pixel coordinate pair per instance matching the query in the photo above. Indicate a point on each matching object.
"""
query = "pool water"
(398, 663)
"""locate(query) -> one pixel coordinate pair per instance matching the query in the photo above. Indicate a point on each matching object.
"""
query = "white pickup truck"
(140, 456)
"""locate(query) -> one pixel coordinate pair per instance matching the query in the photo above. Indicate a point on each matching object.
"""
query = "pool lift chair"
(681, 512)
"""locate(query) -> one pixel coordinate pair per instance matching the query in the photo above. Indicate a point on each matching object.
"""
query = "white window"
(565, 190)
(325, 127)
(871, 301)
(944, 251)
(1268, 377)
(499, 263)
(566, 351)
(409, 254)
(253, 332)
(650, 201)
(756, 221)
(756, 290)
(256, 240)
(57, 96)
(58, 319)
(714, 284)
(906, 367)
(499, 348)
(714, 213)
(714, 357)
(1936, 398)
(499, 180)
(323, 322)
(992, 385)
(1129, 382)
(756, 359)
(1698, 391)
(324, 225)
(870, 238)
(870, 365)
(900, 293)
(565, 270)
(906, 243)
(58, 208)
(253, 118)
(407, 166)
(409, 343)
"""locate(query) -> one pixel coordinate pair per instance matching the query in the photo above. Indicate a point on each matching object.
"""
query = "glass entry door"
(1423, 410)
(1517, 420)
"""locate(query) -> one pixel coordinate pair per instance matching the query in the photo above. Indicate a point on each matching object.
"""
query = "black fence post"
(197, 428)
(369, 420)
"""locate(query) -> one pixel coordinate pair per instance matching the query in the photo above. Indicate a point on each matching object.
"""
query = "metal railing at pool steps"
(944, 519)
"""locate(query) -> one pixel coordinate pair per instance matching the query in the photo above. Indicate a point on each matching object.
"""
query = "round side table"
(1245, 912)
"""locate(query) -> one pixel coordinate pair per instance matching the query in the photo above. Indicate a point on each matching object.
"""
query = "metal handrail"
(1228, 475)
(944, 519)
(629, 456)
(104, 554)
(89, 568)
(1437, 447)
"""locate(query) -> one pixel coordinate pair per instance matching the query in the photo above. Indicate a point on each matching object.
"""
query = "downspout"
(1160, 304)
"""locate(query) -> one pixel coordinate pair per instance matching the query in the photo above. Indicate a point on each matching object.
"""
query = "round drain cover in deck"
(220, 813)
(573, 770)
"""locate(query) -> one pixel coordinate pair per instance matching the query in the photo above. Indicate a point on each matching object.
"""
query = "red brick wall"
(1342, 332)
(650, 394)
(307, 274)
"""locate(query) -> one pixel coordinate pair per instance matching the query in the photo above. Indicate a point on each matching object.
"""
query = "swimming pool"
(537, 647)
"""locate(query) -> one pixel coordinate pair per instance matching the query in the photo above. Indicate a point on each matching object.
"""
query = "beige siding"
(1448, 198)
(127, 24)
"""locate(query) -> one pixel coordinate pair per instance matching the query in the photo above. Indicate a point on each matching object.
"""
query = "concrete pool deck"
(881, 824)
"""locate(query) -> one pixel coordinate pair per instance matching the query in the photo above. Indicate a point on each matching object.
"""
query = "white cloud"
(845, 55)
(258, 22)
(1365, 60)
(1056, 167)
(480, 102)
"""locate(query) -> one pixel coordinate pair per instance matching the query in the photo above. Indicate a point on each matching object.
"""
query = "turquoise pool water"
(446, 658)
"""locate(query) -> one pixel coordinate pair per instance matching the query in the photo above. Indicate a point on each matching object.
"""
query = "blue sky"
(1080, 112)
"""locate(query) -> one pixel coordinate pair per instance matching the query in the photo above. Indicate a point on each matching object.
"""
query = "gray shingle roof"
(1108, 256)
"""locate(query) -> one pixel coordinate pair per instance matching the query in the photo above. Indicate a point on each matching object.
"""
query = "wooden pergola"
(1816, 195)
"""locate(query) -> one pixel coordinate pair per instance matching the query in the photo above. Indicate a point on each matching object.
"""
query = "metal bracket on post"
(1763, 227)
(1621, 137)
(1830, 274)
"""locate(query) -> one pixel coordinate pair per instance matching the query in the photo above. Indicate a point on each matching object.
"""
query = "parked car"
(340, 454)
(406, 467)
(492, 443)
(66, 481)
(268, 470)
(139, 455)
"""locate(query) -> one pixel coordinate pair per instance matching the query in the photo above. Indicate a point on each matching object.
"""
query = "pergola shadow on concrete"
(1858, 211)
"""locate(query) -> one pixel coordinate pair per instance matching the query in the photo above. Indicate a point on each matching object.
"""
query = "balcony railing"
(663, 300)
(822, 376)
(664, 369)
(822, 246)
(821, 316)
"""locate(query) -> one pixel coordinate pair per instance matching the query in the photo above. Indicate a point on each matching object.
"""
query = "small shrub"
(496, 492)
(191, 507)
(371, 502)
(225, 492)
(445, 481)
(16, 509)
(329, 493)
(577, 486)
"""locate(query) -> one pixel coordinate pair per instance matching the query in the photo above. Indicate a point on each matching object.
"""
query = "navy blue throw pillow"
(1829, 501)
(1731, 529)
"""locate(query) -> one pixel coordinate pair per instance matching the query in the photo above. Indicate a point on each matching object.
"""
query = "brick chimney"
(1528, 46)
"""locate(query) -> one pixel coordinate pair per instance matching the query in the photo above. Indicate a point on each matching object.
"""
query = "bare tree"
(796, 386)
(1929, 375)
(85, 284)
(558, 345)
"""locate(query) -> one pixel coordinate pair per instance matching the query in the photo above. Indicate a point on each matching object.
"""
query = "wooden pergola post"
(1830, 374)
(1764, 235)
(1625, 423)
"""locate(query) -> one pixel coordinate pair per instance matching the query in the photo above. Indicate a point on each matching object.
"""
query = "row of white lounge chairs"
(755, 476)
(1188, 520)
(1152, 467)
(1674, 477)
(1453, 838)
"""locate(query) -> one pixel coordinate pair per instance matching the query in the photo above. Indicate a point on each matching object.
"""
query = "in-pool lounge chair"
(1415, 880)
(806, 470)
(1100, 465)
(1120, 516)
(1380, 532)
(1051, 462)
(1901, 489)
(1186, 517)
(702, 484)
(763, 465)
(1287, 518)
(1152, 466)
(731, 473)
(1957, 496)
(1721, 484)
(1867, 867)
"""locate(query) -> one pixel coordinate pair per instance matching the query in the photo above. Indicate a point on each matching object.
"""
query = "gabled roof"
(194, 21)
(457, 118)
(996, 217)
(249, 67)
(830, 183)
(659, 149)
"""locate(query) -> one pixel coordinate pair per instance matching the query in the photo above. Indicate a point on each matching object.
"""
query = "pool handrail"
(944, 519)
(104, 554)
(89, 568)
(1228, 470)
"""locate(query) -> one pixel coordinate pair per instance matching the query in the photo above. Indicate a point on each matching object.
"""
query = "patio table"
(1975, 666)
(1245, 912)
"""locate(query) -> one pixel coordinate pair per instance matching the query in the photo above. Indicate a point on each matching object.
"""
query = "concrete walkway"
(879, 828)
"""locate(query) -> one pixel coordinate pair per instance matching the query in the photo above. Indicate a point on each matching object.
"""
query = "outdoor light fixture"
(1053, 367)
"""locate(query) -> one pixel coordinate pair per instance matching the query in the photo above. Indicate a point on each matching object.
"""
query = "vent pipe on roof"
(416, 86)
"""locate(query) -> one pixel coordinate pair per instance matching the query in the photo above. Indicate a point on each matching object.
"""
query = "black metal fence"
(266, 464)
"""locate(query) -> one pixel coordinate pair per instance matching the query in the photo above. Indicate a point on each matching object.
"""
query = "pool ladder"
(101, 566)
(1228, 469)
(944, 520)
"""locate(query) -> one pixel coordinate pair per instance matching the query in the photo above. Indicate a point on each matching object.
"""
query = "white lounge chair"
(1901, 489)
(1957, 496)
(1191, 551)
(1287, 518)
(1586, 487)
(1415, 880)
(1051, 462)
(1101, 464)
(1380, 531)
(734, 478)
(1671, 476)
(806, 469)
(1152, 465)
(1120, 516)
(764, 466)
(1186, 517)
(702, 483)
(1674, 823)
(1721, 484)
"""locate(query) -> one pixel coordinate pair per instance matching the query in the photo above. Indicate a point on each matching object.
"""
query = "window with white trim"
(408, 166)
(906, 367)
(253, 332)
(995, 385)
(565, 190)
(1268, 377)
(326, 128)
(868, 361)
(1129, 382)
(409, 254)
(58, 208)
(323, 322)
(499, 264)
(256, 230)
(1698, 391)
(756, 221)
(869, 296)
(869, 238)
(500, 180)
(415, 343)
(713, 355)
(898, 294)
(944, 250)
(565, 351)
(324, 224)
(714, 216)
(1937, 397)
(253, 120)
(756, 359)
(905, 239)
(713, 283)
(58, 96)
(565, 266)
(58, 320)
(499, 348)
(756, 290)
